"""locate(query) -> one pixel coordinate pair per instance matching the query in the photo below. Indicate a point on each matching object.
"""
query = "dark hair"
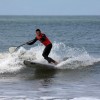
(38, 30)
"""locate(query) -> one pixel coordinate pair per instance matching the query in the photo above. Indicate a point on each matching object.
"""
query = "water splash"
(77, 57)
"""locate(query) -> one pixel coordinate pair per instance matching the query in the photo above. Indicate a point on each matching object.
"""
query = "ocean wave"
(44, 98)
(81, 98)
(85, 98)
(77, 58)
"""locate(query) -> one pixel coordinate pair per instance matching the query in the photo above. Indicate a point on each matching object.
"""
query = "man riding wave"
(46, 42)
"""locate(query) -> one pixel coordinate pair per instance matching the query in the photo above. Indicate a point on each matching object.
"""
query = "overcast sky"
(49, 7)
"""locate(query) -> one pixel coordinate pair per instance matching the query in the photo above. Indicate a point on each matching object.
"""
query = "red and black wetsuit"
(48, 46)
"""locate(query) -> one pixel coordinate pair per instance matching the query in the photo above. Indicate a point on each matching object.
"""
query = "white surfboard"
(38, 65)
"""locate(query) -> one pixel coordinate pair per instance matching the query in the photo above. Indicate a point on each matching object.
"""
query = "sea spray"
(77, 57)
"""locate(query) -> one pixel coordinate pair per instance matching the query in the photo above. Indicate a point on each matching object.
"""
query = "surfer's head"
(38, 32)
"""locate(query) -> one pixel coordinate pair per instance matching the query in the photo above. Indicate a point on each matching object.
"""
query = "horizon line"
(48, 15)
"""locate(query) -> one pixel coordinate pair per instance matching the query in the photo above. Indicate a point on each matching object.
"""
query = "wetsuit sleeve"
(32, 41)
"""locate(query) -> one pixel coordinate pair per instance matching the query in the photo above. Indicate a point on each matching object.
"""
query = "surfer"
(46, 42)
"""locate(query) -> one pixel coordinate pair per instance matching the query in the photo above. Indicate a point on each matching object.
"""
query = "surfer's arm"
(32, 41)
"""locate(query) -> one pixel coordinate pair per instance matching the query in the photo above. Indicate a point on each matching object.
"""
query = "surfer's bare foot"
(56, 63)
(51, 63)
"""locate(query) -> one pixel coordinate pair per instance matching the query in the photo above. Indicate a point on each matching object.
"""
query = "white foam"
(85, 98)
(81, 98)
(81, 60)
(77, 57)
(43, 98)
(9, 63)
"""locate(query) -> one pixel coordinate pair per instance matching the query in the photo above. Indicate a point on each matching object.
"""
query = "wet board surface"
(38, 65)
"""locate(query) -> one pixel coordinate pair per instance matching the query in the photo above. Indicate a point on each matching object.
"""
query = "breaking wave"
(69, 58)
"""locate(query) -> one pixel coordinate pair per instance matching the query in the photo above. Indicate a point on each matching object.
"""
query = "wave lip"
(79, 62)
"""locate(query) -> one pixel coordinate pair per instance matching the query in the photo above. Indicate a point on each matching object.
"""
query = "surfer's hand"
(28, 43)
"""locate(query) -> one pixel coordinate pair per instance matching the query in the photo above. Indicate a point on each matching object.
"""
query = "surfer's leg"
(46, 53)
